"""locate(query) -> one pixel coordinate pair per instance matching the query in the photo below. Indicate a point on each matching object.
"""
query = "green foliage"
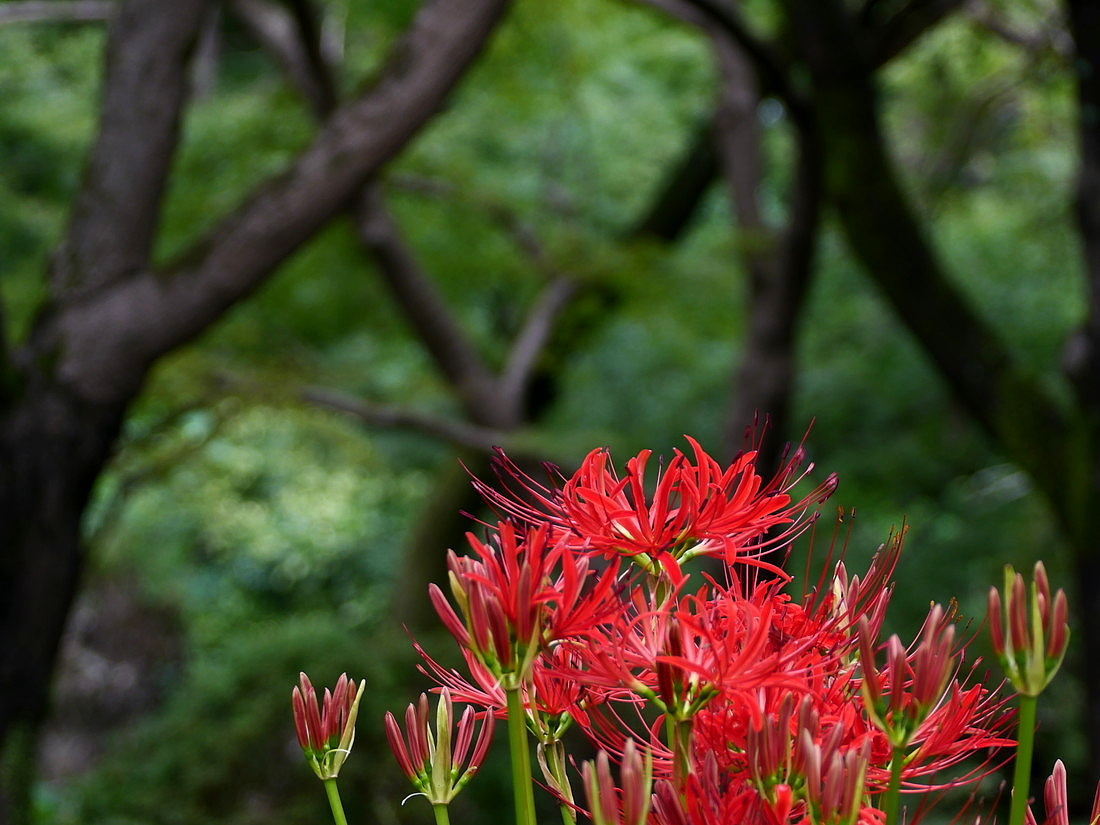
(223, 747)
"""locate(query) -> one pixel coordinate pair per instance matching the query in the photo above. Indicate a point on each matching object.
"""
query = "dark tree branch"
(888, 240)
(481, 392)
(683, 189)
(116, 211)
(1083, 353)
(778, 261)
(277, 32)
(57, 11)
(532, 339)
(459, 433)
(1050, 38)
(436, 327)
(889, 37)
(1084, 356)
(109, 341)
(772, 69)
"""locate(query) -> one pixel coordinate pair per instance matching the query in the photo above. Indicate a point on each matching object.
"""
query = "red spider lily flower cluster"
(326, 730)
(750, 705)
(698, 507)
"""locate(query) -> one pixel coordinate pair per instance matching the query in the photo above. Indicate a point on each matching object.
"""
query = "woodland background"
(270, 269)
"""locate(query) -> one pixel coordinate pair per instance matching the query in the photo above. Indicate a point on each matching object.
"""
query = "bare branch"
(891, 36)
(460, 433)
(427, 311)
(110, 339)
(771, 68)
(280, 33)
(532, 339)
(57, 11)
(1050, 38)
(111, 231)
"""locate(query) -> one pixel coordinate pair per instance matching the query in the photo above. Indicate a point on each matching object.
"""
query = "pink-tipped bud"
(326, 732)
(435, 761)
(1038, 630)
(628, 805)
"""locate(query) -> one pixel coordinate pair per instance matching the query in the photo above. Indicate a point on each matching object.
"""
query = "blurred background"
(619, 223)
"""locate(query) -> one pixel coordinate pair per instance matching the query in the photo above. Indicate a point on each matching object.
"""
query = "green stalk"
(1025, 744)
(441, 815)
(678, 732)
(554, 760)
(334, 802)
(522, 788)
(892, 803)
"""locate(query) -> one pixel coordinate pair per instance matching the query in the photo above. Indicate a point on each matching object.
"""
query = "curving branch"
(427, 311)
(107, 340)
(459, 433)
(888, 37)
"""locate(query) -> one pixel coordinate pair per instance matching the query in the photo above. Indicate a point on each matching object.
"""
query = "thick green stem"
(1025, 744)
(892, 803)
(521, 759)
(334, 802)
(678, 732)
(441, 815)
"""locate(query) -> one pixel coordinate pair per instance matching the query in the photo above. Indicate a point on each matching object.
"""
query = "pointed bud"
(1038, 630)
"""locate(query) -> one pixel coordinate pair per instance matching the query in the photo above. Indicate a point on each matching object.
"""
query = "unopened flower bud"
(1038, 630)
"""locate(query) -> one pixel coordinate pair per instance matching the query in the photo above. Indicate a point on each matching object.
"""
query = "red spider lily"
(678, 653)
(697, 508)
(326, 732)
(626, 805)
(553, 697)
(969, 721)
(519, 593)
(436, 764)
(1038, 636)
(900, 697)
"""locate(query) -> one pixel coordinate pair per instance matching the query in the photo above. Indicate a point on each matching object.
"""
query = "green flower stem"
(678, 732)
(555, 763)
(892, 804)
(521, 759)
(441, 815)
(334, 802)
(1025, 744)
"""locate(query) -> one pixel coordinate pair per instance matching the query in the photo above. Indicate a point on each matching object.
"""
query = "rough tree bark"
(109, 315)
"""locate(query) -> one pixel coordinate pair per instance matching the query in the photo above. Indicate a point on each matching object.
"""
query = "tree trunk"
(52, 447)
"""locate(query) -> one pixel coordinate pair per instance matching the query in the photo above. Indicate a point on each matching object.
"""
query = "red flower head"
(517, 594)
(698, 507)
